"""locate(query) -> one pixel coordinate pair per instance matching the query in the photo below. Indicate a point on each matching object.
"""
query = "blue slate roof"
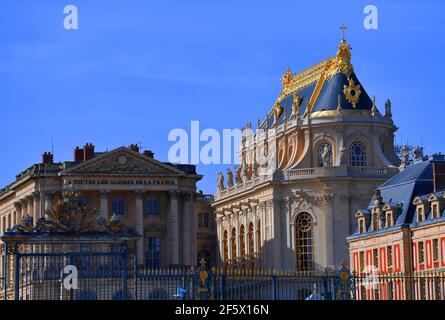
(414, 180)
(328, 98)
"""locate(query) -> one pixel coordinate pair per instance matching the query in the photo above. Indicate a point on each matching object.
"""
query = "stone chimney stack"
(78, 155)
(134, 147)
(149, 153)
(88, 152)
(438, 175)
(47, 158)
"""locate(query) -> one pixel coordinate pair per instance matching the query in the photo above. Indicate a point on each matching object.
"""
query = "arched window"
(233, 245)
(242, 246)
(304, 238)
(357, 155)
(226, 248)
(325, 155)
(251, 246)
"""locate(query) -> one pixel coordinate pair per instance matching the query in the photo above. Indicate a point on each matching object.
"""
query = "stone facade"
(158, 199)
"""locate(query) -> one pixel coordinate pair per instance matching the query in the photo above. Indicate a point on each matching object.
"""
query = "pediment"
(121, 161)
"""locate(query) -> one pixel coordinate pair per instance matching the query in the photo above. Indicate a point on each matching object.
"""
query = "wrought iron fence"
(237, 284)
(422, 285)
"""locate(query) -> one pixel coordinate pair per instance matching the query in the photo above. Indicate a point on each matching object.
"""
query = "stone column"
(48, 202)
(37, 214)
(139, 226)
(187, 231)
(18, 209)
(173, 228)
(193, 229)
(30, 205)
(103, 212)
(329, 229)
(277, 244)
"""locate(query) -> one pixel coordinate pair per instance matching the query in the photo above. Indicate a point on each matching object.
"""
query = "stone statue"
(404, 152)
(326, 155)
(418, 153)
(245, 172)
(238, 178)
(229, 178)
(220, 181)
(255, 168)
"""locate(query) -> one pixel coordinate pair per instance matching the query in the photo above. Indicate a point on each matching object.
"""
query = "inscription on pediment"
(120, 164)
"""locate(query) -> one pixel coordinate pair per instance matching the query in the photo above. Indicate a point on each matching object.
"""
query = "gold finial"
(343, 28)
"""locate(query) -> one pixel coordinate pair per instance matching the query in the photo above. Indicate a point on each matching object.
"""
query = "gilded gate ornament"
(352, 92)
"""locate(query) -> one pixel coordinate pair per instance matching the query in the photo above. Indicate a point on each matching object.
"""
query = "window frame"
(122, 206)
(149, 202)
(357, 160)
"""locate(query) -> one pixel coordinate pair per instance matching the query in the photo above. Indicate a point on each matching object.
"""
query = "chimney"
(134, 147)
(149, 153)
(438, 175)
(88, 152)
(47, 158)
(78, 155)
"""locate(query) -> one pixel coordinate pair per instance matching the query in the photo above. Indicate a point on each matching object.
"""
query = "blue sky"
(137, 69)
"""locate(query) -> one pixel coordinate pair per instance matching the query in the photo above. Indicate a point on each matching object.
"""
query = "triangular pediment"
(121, 161)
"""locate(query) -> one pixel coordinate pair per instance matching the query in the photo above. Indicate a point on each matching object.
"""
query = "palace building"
(158, 199)
(403, 227)
(324, 148)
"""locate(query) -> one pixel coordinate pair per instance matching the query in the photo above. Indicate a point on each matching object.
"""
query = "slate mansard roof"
(416, 180)
(321, 88)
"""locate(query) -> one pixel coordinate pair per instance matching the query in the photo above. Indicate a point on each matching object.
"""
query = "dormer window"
(375, 221)
(435, 210)
(361, 225)
(389, 220)
(420, 214)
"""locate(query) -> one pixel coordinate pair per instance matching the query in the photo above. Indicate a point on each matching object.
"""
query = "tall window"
(357, 155)
(117, 205)
(325, 155)
(233, 245)
(152, 206)
(361, 223)
(242, 241)
(203, 220)
(304, 239)
(251, 246)
(389, 256)
(226, 248)
(421, 253)
(153, 252)
(435, 209)
(435, 250)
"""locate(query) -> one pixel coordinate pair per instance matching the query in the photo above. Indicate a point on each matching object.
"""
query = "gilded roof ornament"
(277, 111)
(286, 79)
(352, 92)
(296, 102)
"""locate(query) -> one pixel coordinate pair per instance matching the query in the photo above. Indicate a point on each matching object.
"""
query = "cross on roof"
(343, 28)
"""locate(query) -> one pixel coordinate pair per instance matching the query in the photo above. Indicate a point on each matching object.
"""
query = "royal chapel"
(333, 145)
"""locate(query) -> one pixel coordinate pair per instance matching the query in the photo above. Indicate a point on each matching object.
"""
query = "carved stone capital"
(174, 194)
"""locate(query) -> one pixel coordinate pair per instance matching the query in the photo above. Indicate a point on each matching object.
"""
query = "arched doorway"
(304, 242)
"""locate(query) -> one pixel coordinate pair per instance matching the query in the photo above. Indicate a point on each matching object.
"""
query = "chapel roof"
(330, 85)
